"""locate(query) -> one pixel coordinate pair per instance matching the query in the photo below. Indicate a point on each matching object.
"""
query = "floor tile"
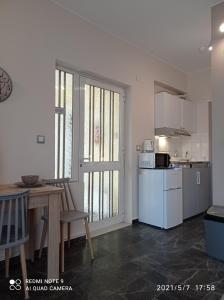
(131, 263)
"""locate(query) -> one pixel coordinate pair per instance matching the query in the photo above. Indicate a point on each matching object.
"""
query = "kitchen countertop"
(189, 162)
(170, 168)
(175, 165)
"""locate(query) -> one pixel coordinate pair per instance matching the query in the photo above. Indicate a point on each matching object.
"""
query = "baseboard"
(109, 229)
(190, 218)
(135, 221)
(77, 238)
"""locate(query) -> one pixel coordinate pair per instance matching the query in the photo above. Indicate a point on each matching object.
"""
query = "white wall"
(199, 85)
(34, 34)
(217, 67)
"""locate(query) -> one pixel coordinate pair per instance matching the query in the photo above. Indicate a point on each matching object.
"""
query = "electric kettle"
(148, 146)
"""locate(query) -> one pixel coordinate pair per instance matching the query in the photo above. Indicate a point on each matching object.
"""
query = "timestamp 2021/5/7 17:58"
(184, 287)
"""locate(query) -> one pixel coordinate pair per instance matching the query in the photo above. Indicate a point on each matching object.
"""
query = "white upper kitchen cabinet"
(188, 116)
(167, 111)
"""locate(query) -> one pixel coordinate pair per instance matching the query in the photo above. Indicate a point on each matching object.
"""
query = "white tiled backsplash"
(195, 147)
(168, 145)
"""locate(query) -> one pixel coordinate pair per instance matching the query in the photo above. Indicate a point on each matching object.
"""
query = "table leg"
(32, 235)
(53, 236)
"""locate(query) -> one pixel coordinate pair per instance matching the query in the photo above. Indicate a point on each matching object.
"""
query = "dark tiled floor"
(130, 263)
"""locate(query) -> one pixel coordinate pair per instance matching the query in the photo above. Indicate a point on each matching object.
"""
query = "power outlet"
(40, 139)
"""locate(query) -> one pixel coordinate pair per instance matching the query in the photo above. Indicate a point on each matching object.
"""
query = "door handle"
(83, 160)
(198, 177)
(86, 158)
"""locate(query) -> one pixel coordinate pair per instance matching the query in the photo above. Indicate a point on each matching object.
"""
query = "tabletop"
(10, 189)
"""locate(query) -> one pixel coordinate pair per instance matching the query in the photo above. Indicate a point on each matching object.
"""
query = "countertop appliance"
(146, 160)
(151, 160)
(160, 197)
(162, 160)
(148, 146)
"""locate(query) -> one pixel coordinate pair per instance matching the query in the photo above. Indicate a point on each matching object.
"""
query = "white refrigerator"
(160, 197)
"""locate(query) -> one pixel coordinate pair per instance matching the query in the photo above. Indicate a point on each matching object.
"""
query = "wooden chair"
(69, 214)
(14, 229)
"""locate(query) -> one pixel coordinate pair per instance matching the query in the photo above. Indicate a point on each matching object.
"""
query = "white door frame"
(103, 166)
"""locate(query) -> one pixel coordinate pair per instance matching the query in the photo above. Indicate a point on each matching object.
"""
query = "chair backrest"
(13, 219)
(67, 201)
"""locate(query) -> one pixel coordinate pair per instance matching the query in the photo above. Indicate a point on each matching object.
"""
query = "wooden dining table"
(43, 196)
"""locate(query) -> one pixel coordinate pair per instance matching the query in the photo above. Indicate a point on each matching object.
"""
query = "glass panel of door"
(102, 160)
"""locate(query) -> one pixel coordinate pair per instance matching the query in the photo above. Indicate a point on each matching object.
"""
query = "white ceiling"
(172, 30)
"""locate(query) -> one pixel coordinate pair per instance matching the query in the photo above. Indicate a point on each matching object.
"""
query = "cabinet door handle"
(198, 178)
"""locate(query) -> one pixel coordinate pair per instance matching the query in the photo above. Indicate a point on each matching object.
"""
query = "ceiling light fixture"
(210, 48)
(204, 49)
(221, 28)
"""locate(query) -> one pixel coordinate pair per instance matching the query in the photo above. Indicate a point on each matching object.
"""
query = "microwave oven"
(153, 160)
